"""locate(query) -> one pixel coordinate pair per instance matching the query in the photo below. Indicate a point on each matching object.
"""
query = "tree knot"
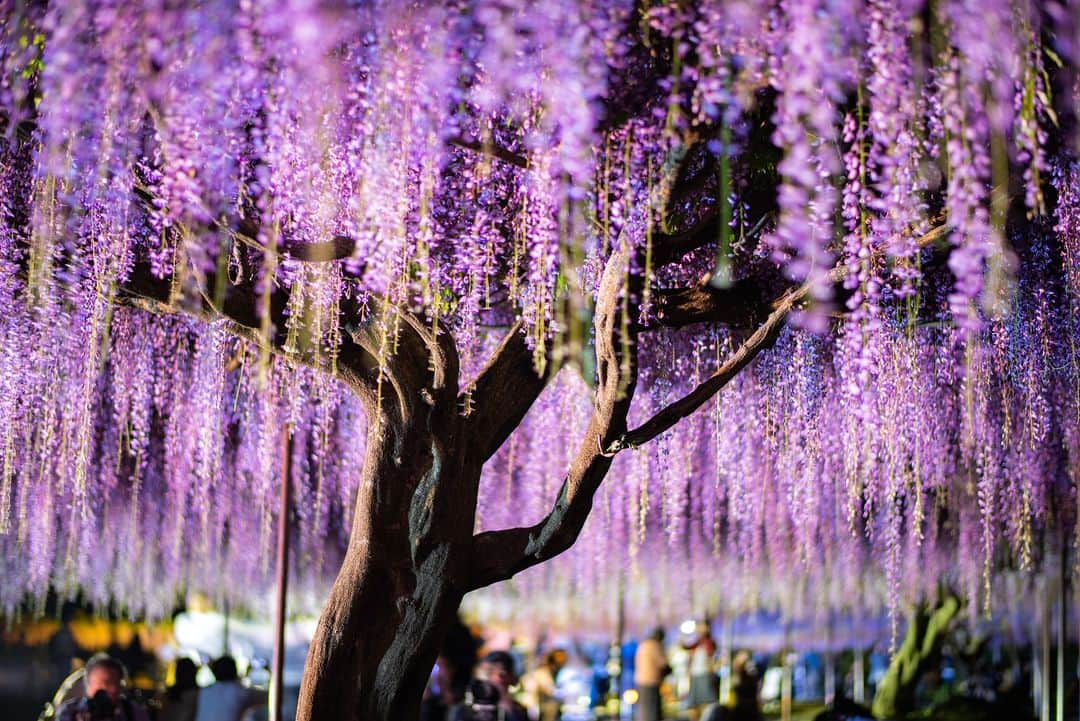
(619, 444)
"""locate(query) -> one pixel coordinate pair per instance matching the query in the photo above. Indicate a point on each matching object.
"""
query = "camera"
(101, 707)
(482, 699)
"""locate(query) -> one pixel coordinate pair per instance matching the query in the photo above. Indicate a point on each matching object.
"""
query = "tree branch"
(670, 247)
(498, 555)
(356, 362)
(762, 338)
(742, 305)
(337, 248)
(488, 148)
(503, 393)
(242, 303)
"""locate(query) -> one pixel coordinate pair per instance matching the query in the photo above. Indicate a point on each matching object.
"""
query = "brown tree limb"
(742, 305)
(356, 364)
(498, 555)
(323, 251)
(762, 338)
(337, 248)
(747, 302)
(440, 361)
(356, 361)
(670, 247)
(247, 230)
(503, 393)
(488, 148)
(421, 361)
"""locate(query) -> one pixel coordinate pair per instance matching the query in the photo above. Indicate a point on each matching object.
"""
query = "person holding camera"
(488, 695)
(105, 678)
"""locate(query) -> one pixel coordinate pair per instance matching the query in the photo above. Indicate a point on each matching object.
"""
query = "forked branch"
(242, 304)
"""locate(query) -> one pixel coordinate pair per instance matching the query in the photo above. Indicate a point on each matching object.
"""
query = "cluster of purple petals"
(480, 158)
(786, 493)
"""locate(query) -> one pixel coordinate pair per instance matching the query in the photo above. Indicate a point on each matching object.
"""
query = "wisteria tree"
(433, 258)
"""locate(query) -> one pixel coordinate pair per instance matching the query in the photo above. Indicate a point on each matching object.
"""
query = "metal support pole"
(858, 681)
(282, 580)
(225, 630)
(615, 652)
(1059, 691)
(787, 659)
(830, 664)
(785, 686)
(830, 678)
(1036, 662)
(1047, 613)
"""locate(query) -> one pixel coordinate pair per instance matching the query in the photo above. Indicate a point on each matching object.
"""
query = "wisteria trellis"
(477, 164)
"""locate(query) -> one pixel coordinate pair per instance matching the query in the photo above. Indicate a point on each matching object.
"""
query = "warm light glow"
(630, 696)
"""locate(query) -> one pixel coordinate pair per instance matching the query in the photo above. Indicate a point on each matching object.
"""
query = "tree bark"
(373, 649)
(381, 628)
(348, 643)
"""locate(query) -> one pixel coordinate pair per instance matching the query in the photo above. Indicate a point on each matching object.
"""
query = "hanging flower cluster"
(480, 162)
(784, 495)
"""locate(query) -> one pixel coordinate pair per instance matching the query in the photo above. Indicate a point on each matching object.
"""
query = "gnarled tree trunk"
(365, 612)
(412, 554)
(397, 590)
(378, 637)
